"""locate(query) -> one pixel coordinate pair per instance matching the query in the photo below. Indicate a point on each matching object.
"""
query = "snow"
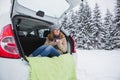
(98, 64)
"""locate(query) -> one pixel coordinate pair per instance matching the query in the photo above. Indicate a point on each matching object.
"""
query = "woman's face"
(56, 32)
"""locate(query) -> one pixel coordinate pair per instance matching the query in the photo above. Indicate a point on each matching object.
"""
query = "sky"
(104, 5)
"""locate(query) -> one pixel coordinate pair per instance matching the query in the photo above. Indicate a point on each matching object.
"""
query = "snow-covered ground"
(98, 65)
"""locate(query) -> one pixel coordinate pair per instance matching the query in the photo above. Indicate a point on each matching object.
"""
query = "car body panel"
(5, 13)
(51, 8)
(18, 8)
(21, 10)
(13, 69)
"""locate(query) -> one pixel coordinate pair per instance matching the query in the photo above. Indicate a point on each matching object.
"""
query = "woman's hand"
(58, 41)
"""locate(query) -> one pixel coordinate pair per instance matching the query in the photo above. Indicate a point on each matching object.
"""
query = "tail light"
(73, 44)
(8, 47)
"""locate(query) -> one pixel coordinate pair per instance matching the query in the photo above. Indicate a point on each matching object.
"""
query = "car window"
(22, 33)
(32, 33)
(54, 8)
(42, 33)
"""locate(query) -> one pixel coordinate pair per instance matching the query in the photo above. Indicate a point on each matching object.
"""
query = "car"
(24, 25)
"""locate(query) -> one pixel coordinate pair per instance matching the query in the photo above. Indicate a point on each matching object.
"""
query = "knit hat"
(53, 27)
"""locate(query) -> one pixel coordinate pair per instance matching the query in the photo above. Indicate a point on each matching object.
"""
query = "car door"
(50, 10)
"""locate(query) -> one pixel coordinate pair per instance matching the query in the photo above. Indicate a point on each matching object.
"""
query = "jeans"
(46, 51)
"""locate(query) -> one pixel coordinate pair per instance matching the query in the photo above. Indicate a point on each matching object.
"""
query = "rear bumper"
(14, 69)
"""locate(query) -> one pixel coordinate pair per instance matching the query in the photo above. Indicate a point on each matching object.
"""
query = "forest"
(90, 30)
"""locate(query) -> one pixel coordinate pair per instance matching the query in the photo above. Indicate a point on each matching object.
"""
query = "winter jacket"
(61, 47)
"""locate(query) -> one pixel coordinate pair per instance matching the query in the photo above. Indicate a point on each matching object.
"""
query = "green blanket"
(56, 68)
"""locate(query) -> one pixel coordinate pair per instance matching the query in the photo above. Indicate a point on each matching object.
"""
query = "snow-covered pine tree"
(116, 32)
(79, 22)
(98, 26)
(73, 25)
(108, 27)
(64, 23)
(83, 22)
(84, 26)
(88, 29)
(117, 17)
(69, 23)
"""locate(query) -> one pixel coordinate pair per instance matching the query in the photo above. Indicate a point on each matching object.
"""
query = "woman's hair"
(51, 35)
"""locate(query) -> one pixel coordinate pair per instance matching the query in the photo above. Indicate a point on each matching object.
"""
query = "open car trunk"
(31, 33)
(31, 22)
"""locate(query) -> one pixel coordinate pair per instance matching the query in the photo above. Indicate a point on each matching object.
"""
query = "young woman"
(54, 46)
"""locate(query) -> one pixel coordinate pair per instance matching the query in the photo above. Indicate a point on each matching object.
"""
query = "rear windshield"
(54, 8)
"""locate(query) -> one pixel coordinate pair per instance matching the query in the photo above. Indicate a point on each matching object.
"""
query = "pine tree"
(88, 29)
(98, 29)
(69, 23)
(73, 25)
(64, 22)
(116, 32)
(84, 29)
(79, 22)
(117, 18)
(108, 27)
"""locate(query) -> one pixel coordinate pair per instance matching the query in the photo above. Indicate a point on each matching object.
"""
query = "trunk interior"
(30, 33)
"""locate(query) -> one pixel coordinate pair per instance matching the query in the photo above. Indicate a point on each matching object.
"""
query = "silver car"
(24, 25)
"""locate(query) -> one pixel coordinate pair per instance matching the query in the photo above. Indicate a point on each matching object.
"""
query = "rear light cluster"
(73, 44)
(8, 47)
